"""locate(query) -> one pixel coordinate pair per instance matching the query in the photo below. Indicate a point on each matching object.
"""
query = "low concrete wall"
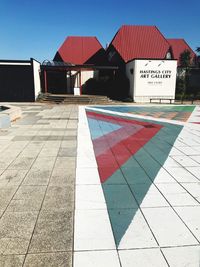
(4, 120)
(8, 115)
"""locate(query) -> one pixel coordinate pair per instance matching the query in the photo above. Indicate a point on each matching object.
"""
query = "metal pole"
(69, 89)
(45, 81)
(80, 82)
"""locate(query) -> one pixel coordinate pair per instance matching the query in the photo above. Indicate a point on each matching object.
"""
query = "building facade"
(146, 59)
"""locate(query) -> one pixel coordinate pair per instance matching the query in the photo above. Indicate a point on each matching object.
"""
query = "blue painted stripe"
(99, 128)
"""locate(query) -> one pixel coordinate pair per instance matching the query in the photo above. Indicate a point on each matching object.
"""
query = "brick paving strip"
(37, 176)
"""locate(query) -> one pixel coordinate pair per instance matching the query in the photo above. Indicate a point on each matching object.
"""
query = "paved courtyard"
(115, 186)
(37, 167)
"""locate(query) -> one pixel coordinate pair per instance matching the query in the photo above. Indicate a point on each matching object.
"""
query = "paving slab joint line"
(19, 184)
(170, 206)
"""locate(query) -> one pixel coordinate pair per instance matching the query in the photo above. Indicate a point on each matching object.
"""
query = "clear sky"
(36, 28)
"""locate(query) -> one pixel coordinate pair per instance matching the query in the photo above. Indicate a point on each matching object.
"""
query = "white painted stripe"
(194, 126)
(92, 229)
(15, 63)
(195, 115)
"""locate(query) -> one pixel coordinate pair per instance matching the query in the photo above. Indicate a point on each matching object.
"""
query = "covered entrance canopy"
(67, 78)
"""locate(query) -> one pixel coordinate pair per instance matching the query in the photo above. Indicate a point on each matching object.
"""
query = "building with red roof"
(138, 42)
(79, 59)
(178, 46)
(144, 57)
(145, 62)
(81, 50)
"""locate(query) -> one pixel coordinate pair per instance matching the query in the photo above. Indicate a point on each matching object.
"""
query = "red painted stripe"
(121, 152)
(109, 140)
(118, 120)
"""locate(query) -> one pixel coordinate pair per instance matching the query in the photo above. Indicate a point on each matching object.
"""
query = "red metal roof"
(78, 50)
(140, 42)
(178, 46)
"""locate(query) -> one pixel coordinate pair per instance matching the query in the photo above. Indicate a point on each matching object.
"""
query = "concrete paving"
(37, 167)
(100, 186)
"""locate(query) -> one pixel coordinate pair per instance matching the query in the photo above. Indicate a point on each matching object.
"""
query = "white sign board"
(152, 79)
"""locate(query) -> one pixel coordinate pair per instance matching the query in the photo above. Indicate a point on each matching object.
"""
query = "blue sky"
(36, 28)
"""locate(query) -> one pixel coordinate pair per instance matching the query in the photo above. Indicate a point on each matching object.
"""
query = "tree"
(198, 57)
(185, 59)
(198, 50)
(185, 63)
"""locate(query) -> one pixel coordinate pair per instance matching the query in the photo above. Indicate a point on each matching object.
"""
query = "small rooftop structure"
(59, 65)
(56, 63)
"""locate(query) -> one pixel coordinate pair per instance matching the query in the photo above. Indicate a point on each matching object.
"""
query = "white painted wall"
(15, 63)
(86, 75)
(152, 79)
(36, 74)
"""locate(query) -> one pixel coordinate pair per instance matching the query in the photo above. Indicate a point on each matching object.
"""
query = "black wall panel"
(16, 83)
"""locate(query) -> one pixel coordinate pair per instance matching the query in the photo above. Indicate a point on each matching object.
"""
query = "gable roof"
(133, 42)
(178, 46)
(78, 49)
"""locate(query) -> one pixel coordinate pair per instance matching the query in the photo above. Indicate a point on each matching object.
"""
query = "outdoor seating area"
(162, 100)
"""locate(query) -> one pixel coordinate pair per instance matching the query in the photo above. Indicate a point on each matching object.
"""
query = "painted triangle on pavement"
(115, 147)
(128, 156)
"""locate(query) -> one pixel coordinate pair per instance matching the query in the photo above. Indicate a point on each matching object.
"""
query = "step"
(71, 99)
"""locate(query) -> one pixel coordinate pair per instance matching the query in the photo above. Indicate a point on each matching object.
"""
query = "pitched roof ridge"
(137, 25)
(82, 36)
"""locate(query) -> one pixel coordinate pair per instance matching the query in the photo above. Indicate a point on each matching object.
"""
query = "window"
(168, 55)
